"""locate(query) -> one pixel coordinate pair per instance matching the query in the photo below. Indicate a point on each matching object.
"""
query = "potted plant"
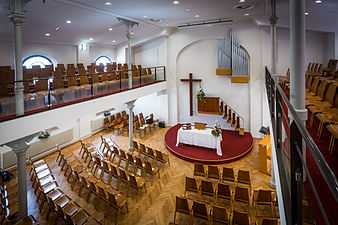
(216, 130)
(200, 94)
(43, 134)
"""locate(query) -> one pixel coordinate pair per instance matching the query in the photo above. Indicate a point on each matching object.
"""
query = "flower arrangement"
(43, 134)
(216, 130)
(200, 94)
(106, 113)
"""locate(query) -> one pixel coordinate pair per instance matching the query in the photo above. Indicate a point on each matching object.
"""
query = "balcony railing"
(303, 199)
(51, 92)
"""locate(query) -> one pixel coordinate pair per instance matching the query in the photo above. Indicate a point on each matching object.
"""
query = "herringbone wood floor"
(157, 206)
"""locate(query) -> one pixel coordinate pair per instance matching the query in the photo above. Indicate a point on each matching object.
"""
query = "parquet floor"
(157, 206)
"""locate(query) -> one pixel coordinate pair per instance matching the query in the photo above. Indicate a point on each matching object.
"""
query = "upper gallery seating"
(68, 84)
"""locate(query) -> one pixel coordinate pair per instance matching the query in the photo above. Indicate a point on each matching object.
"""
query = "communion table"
(202, 138)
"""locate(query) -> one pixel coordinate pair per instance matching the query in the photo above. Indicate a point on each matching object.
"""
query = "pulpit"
(210, 105)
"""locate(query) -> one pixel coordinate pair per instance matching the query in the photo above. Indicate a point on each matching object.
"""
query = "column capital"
(17, 11)
(130, 105)
(273, 19)
(127, 22)
(20, 148)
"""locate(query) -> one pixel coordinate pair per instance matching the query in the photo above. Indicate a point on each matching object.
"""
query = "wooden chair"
(143, 151)
(162, 158)
(333, 129)
(152, 170)
(151, 154)
(131, 163)
(241, 195)
(83, 184)
(78, 218)
(199, 170)
(191, 185)
(123, 179)
(223, 192)
(262, 197)
(28, 220)
(240, 218)
(117, 202)
(213, 173)
(182, 207)
(207, 188)
(199, 210)
(228, 175)
(92, 191)
(269, 221)
(244, 178)
(137, 183)
(219, 214)
(140, 166)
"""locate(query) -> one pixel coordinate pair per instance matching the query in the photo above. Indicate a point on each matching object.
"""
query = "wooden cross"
(190, 80)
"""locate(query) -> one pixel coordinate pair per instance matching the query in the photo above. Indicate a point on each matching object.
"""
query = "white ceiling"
(92, 18)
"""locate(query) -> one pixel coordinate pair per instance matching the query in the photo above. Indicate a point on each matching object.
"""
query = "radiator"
(97, 124)
(37, 146)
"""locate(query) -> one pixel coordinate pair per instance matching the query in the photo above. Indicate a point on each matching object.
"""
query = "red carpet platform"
(233, 147)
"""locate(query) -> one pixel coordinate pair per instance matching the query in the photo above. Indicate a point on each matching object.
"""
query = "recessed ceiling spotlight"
(47, 34)
(176, 2)
(145, 17)
(114, 41)
(168, 25)
(246, 14)
(110, 29)
(107, 3)
(241, 0)
(90, 39)
(318, 1)
(197, 15)
(68, 21)
(187, 10)
(306, 13)
(57, 28)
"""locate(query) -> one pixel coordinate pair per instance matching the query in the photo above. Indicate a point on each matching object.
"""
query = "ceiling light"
(114, 41)
(241, 0)
(187, 10)
(57, 28)
(306, 13)
(176, 2)
(110, 29)
(68, 21)
(107, 3)
(90, 39)
(47, 34)
(246, 14)
(197, 15)
(145, 17)
(318, 1)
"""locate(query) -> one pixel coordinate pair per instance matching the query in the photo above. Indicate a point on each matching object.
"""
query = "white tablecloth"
(202, 138)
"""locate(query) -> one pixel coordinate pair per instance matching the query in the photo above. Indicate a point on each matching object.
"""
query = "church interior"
(168, 112)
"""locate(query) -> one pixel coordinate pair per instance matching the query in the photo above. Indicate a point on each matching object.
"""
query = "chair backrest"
(138, 162)
(243, 177)
(142, 148)
(199, 210)
(331, 92)
(148, 167)
(199, 170)
(314, 86)
(206, 187)
(92, 186)
(219, 214)
(135, 145)
(132, 180)
(223, 190)
(124, 113)
(123, 154)
(191, 184)
(242, 194)
(118, 115)
(114, 171)
(105, 165)
(112, 118)
(76, 175)
(269, 221)
(182, 205)
(83, 180)
(241, 218)
(213, 172)
(102, 193)
(123, 175)
(150, 152)
(141, 115)
(159, 155)
(106, 120)
(130, 158)
(112, 199)
(264, 196)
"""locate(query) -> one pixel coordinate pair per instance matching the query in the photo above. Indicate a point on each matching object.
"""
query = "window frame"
(103, 56)
(32, 56)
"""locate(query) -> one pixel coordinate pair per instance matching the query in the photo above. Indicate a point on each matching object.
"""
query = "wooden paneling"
(239, 79)
(210, 105)
(223, 71)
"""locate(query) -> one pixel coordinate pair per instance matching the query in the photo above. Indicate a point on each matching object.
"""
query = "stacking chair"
(93, 190)
(152, 170)
(151, 154)
(219, 214)
(262, 197)
(213, 173)
(241, 195)
(162, 158)
(79, 217)
(140, 166)
(137, 183)
(199, 210)
(244, 178)
(106, 168)
(115, 173)
(123, 179)
(102, 195)
(207, 188)
(83, 184)
(191, 185)
(182, 207)
(131, 162)
(240, 218)
(143, 151)
(118, 202)
(269, 221)
(223, 192)
(199, 170)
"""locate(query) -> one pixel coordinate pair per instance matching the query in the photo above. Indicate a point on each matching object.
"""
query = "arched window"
(35, 60)
(102, 59)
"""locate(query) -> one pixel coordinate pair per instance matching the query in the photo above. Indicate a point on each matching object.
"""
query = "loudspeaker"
(161, 124)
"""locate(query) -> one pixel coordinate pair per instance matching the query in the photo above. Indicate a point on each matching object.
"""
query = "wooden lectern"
(265, 155)
(200, 126)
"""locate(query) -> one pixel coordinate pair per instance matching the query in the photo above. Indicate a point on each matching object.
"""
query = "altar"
(202, 138)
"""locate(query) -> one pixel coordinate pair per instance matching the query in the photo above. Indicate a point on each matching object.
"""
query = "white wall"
(58, 53)
(151, 54)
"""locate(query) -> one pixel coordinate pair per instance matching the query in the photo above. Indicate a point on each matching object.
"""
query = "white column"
(17, 17)
(297, 69)
(20, 152)
(130, 106)
(129, 35)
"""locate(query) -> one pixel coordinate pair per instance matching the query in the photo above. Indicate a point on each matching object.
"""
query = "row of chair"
(149, 154)
(57, 201)
(213, 213)
(8, 200)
